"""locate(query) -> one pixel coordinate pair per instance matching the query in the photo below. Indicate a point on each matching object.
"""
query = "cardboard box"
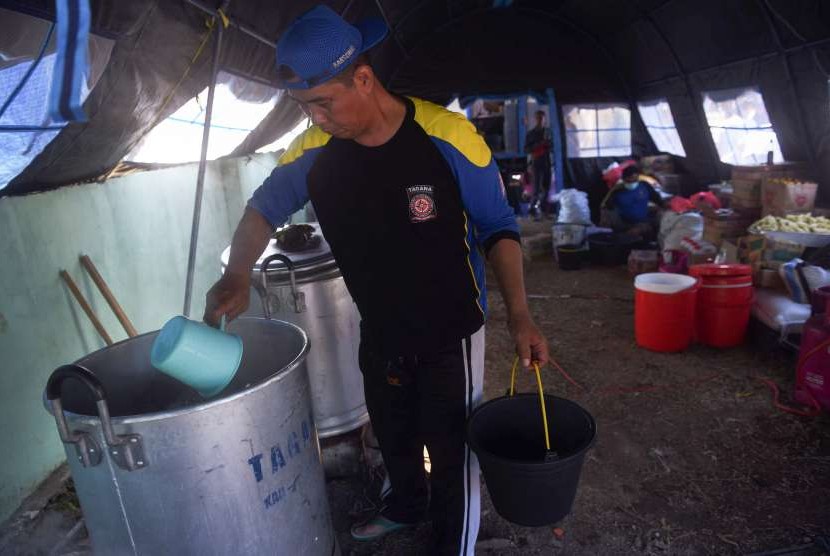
(782, 251)
(662, 163)
(751, 248)
(785, 196)
(785, 169)
(729, 253)
(766, 275)
(725, 225)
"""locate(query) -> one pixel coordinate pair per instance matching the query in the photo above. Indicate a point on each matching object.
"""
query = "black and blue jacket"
(408, 222)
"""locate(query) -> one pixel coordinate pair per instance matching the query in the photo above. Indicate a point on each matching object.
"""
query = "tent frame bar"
(233, 23)
(200, 179)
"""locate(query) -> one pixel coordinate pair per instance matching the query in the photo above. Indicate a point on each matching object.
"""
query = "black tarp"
(587, 50)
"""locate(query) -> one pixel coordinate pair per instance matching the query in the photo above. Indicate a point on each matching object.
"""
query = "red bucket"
(664, 311)
(724, 303)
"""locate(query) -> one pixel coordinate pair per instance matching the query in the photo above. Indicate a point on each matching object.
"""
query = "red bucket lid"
(711, 269)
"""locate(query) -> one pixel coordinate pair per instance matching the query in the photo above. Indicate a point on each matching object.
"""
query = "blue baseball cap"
(320, 44)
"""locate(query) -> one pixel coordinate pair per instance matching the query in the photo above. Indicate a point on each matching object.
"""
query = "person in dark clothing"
(410, 200)
(538, 145)
(626, 207)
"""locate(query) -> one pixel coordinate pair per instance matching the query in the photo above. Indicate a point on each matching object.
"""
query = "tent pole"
(200, 179)
(233, 23)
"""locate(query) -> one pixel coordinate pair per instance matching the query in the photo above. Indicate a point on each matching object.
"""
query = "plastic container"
(642, 261)
(569, 257)
(812, 379)
(508, 437)
(611, 249)
(664, 311)
(567, 234)
(204, 358)
(723, 304)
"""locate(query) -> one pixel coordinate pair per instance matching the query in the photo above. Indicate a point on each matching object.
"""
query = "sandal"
(376, 528)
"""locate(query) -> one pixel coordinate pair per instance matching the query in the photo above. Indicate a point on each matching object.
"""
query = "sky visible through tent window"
(594, 130)
(660, 124)
(740, 126)
(178, 138)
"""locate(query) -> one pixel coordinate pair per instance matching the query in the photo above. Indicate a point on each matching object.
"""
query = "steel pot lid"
(311, 261)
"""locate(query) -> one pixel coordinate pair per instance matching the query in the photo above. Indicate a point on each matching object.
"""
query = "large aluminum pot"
(158, 470)
(307, 289)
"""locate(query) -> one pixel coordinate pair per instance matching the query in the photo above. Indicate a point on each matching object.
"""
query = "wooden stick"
(86, 262)
(85, 306)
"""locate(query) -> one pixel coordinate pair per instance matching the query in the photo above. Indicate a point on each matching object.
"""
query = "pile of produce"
(800, 223)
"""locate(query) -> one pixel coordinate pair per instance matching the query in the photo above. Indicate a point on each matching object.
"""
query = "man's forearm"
(506, 258)
(249, 241)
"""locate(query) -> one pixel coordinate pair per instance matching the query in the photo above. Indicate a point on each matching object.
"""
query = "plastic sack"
(802, 279)
(573, 207)
(776, 310)
(674, 228)
(705, 198)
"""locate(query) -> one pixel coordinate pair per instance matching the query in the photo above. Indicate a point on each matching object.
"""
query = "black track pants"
(425, 401)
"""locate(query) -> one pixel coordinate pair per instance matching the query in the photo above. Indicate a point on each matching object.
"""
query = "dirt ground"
(691, 456)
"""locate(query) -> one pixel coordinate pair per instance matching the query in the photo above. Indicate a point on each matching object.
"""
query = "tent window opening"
(239, 105)
(658, 119)
(594, 130)
(28, 56)
(740, 126)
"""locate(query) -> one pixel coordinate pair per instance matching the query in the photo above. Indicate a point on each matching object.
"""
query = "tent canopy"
(586, 50)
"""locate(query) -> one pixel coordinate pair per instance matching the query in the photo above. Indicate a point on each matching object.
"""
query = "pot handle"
(126, 450)
(298, 296)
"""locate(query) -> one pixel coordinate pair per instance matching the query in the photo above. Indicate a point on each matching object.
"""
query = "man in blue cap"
(410, 200)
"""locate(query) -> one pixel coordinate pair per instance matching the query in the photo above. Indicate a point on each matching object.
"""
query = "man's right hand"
(229, 296)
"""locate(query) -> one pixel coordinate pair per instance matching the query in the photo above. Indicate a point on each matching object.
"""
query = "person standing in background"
(538, 145)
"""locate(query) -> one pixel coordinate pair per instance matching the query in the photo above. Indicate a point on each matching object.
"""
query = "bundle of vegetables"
(800, 223)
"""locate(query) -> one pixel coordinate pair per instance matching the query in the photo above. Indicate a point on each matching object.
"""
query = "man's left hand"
(531, 346)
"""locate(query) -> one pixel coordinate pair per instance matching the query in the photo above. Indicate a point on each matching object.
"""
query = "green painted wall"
(136, 229)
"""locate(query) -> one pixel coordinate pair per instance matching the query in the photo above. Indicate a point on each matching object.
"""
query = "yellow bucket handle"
(541, 395)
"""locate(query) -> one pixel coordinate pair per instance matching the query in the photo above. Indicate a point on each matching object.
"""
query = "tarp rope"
(210, 23)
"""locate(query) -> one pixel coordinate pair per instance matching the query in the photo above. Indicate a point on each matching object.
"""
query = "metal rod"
(87, 263)
(70, 283)
(200, 179)
(233, 23)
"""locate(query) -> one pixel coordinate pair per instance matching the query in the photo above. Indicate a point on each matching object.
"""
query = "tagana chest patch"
(421, 203)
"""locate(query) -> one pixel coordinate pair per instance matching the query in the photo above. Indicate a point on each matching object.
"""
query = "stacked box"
(725, 225)
(747, 182)
(658, 164)
(783, 196)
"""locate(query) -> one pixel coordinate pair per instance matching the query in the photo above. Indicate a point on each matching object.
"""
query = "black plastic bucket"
(569, 257)
(508, 437)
